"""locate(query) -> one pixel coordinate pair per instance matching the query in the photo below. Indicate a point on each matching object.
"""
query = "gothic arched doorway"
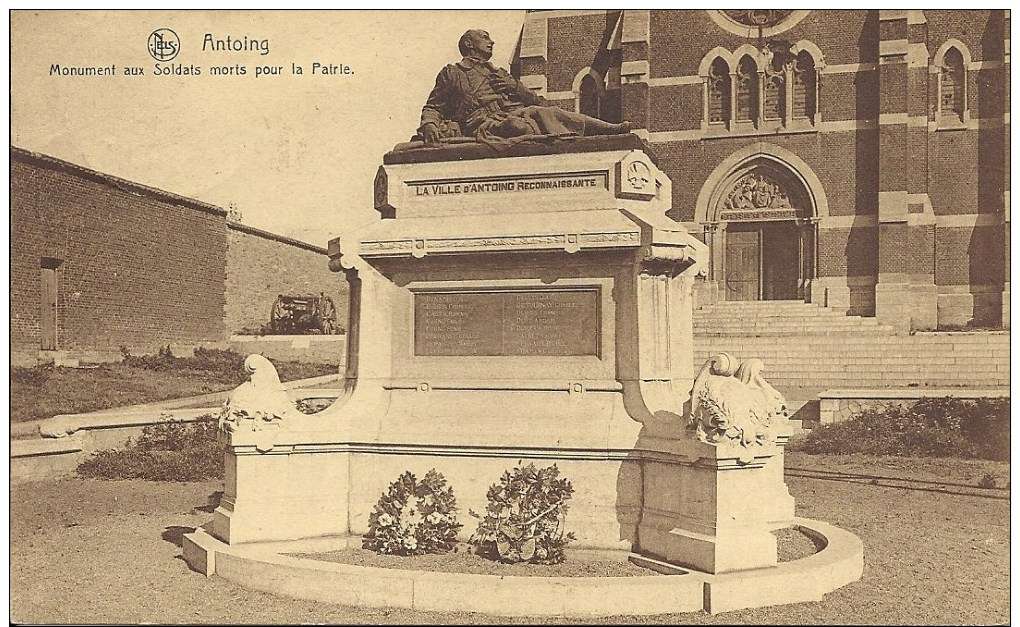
(766, 222)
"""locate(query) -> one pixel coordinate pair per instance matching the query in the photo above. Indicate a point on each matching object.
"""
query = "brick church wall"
(964, 172)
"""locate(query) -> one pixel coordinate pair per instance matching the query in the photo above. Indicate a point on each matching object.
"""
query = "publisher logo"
(164, 44)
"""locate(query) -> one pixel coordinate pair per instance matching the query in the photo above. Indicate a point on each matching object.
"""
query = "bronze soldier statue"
(475, 99)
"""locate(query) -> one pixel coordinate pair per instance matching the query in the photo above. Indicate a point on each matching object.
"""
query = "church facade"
(854, 158)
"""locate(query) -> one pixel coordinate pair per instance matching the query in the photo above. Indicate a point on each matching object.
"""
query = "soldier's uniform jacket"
(464, 93)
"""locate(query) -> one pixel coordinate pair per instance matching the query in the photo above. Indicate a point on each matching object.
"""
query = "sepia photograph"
(604, 316)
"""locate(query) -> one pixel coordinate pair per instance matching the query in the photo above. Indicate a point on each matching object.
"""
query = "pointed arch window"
(775, 90)
(719, 92)
(805, 91)
(746, 109)
(953, 88)
(589, 97)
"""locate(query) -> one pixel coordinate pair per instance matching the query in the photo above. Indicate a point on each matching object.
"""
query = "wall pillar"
(1006, 165)
(1005, 261)
(634, 69)
(905, 296)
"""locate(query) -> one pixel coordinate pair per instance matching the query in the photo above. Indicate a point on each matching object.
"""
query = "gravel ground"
(936, 552)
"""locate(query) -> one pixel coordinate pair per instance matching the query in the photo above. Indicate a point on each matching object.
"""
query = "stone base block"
(780, 510)
(831, 292)
(854, 295)
(963, 305)
(726, 550)
(603, 512)
(281, 495)
(272, 498)
(893, 305)
(715, 515)
(907, 306)
(924, 307)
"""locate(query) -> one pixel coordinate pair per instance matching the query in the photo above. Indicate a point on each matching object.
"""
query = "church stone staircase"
(808, 349)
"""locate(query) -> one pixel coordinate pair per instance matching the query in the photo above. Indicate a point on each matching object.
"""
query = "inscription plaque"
(562, 322)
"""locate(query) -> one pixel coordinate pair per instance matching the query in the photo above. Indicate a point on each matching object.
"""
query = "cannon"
(295, 315)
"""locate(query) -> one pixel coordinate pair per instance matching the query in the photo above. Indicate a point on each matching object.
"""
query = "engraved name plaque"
(563, 322)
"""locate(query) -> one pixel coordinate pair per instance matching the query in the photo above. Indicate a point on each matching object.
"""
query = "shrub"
(214, 360)
(160, 362)
(265, 329)
(524, 516)
(313, 405)
(220, 366)
(33, 377)
(166, 451)
(414, 518)
(938, 427)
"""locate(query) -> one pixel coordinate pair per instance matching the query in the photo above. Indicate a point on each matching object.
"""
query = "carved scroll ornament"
(735, 405)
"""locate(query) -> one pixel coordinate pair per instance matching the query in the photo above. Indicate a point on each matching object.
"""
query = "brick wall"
(573, 42)
(844, 163)
(675, 108)
(138, 267)
(847, 252)
(969, 256)
(260, 266)
(980, 31)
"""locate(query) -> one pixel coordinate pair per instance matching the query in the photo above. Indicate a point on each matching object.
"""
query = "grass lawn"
(936, 552)
(45, 391)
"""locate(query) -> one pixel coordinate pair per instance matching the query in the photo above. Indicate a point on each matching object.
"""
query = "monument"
(523, 296)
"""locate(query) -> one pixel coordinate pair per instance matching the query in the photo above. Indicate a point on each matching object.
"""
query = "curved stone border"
(840, 562)
(265, 567)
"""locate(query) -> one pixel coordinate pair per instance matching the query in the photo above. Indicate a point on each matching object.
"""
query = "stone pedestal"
(274, 491)
(905, 305)
(532, 308)
(713, 512)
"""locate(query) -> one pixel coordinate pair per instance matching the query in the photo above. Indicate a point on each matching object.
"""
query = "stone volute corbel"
(664, 270)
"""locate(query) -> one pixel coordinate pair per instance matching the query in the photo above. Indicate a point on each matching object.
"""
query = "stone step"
(811, 311)
(806, 369)
(803, 310)
(976, 339)
(807, 347)
(806, 379)
(781, 321)
(821, 355)
(838, 341)
(872, 355)
(876, 381)
(759, 304)
(817, 335)
(911, 375)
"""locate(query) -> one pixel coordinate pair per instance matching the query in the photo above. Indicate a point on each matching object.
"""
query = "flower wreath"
(414, 518)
